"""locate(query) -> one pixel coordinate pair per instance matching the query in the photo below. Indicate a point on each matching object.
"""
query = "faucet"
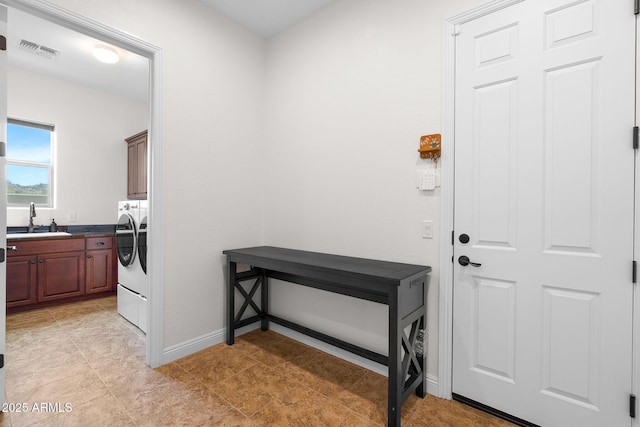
(32, 213)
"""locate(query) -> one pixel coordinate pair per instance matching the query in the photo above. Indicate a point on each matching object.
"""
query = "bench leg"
(231, 291)
(264, 302)
(396, 382)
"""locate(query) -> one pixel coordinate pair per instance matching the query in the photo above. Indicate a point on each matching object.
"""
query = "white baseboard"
(194, 345)
(204, 341)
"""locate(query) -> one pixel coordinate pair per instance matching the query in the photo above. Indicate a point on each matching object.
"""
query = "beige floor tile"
(5, 420)
(24, 382)
(356, 420)
(29, 319)
(29, 418)
(217, 364)
(86, 355)
(259, 338)
(135, 387)
(101, 412)
(366, 396)
(273, 349)
(326, 374)
(75, 389)
(43, 337)
(255, 387)
(172, 406)
(316, 410)
(110, 345)
(434, 412)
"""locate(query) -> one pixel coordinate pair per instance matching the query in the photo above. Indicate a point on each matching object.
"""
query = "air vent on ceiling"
(38, 49)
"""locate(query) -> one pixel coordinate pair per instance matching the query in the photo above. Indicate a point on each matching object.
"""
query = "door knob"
(464, 261)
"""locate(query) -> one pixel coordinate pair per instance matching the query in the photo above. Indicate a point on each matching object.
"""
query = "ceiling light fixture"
(106, 54)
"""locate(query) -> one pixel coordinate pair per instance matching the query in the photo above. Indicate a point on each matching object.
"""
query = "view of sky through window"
(28, 164)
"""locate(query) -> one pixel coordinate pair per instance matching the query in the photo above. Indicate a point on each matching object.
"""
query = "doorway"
(70, 20)
(541, 315)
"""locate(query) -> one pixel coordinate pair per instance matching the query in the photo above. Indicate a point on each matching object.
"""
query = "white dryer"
(142, 260)
(132, 281)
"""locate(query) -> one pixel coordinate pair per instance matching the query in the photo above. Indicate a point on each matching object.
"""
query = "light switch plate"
(427, 229)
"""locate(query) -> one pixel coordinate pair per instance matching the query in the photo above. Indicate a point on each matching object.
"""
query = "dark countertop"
(75, 230)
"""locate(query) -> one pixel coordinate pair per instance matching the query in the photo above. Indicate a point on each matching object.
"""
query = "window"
(29, 166)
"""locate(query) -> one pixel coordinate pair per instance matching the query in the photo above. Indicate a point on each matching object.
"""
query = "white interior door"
(544, 185)
(3, 189)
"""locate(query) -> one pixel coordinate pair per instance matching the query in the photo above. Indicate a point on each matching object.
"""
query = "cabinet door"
(132, 167)
(21, 281)
(99, 271)
(61, 275)
(137, 166)
(141, 158)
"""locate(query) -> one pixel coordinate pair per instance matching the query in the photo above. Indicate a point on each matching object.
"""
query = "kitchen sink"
(37, 235)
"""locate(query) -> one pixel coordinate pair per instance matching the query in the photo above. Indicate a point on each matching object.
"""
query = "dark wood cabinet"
(42, 272)
(99, 265)
(22, 276)
(60, 275)
(137, 166)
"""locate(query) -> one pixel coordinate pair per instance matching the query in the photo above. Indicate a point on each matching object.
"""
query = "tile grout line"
(93, 369)
(95, 372)
(177, 362)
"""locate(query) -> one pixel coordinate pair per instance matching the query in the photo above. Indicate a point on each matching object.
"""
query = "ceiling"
(130, 76)
(267, 18)
(75, 62)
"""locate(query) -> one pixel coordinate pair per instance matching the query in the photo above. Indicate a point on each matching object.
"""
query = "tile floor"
(86, 358)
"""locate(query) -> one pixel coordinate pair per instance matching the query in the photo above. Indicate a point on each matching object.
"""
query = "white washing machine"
(132, 281)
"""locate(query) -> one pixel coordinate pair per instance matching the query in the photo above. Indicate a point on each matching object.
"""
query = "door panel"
(544, 174)
(570, 360)
(571, 199)
(494, 190)
(493, 308)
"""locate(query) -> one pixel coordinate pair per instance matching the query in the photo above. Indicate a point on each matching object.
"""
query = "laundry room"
(76, 139)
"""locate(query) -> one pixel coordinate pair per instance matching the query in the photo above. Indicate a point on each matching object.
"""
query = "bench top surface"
(314, 263)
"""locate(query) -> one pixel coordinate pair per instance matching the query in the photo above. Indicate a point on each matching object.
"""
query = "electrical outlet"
(71, 217)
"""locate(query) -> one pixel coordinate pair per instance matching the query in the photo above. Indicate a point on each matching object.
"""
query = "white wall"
(350, 92)
(90, 151)
(332, 158)
(212, 125)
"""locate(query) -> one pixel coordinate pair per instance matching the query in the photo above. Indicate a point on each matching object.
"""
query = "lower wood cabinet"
(40, 272)
(22, 276)
(99, 265)
(60, 275)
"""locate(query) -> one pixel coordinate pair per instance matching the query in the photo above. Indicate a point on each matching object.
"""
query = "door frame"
(66, 18)
(445, 315)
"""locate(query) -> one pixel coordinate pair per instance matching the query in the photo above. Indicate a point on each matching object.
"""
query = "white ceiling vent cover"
(38, 49)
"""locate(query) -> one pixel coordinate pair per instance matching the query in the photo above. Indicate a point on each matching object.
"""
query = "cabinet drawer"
(105, 242)
(36, 247)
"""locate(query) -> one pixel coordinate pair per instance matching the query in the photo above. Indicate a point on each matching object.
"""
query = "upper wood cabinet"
(137, 166)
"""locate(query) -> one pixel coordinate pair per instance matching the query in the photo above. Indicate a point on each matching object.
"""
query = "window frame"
(50, 166)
